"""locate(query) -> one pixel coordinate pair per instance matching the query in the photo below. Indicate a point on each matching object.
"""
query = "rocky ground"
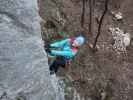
(107, 73)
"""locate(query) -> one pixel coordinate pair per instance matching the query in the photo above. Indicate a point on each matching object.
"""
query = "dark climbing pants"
(58, 62)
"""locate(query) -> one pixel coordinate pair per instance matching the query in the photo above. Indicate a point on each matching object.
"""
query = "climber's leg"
(56, 64)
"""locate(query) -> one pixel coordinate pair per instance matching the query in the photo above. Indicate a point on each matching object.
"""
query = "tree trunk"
(83, 13)
(90, 16)
(100, 23)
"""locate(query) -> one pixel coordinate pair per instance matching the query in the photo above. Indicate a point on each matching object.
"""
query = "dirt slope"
(107, 73)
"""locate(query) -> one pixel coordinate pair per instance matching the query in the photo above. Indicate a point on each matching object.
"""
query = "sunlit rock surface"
(24, 71)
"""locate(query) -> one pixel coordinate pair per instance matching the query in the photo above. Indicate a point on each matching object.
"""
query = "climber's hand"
(48, 50)
(47, 46)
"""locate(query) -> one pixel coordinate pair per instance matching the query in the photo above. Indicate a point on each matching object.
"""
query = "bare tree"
(90, 16)
(100, 23)
(83, 13)
(91, 11)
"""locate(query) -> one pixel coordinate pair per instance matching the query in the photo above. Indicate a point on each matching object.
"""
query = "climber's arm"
(59, 44)
(69, 54)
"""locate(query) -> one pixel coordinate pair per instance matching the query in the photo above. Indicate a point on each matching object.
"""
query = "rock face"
(24, 73)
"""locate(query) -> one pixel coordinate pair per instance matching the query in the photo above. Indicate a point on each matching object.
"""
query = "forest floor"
(107, 73)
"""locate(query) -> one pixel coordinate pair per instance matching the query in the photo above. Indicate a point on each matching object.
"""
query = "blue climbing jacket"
(63, 48)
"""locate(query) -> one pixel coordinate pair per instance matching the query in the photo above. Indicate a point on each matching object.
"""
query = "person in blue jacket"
(64, 50)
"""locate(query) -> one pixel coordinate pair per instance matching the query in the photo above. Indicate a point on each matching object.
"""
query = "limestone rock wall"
(24, 73)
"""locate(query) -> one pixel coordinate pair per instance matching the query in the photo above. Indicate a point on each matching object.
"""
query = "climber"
(64, 50)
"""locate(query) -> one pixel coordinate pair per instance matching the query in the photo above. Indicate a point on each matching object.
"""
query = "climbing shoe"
(52, 72)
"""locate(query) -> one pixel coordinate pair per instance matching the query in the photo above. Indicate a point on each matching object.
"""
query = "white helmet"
(80, 40)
